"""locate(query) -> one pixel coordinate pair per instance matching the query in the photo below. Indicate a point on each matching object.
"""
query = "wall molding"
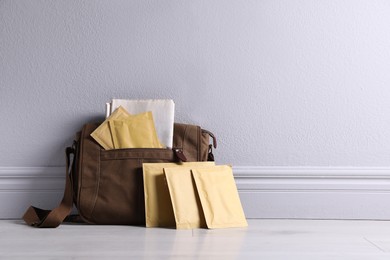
(21, 187)
(315, 192)
(266, 192)
(313, 179)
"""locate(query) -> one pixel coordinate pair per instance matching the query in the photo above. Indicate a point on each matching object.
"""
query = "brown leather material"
(192, 141)
(107, 185)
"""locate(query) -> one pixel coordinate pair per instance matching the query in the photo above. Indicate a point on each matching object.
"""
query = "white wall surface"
(281, 83)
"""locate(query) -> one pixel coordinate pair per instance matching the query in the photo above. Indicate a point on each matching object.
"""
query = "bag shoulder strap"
(42, 218)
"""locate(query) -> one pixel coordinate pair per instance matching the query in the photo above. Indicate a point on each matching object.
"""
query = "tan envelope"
(137, 131)
(163, 114)
(219, 197)
(185, 200)
(158, 205)
(102, 134)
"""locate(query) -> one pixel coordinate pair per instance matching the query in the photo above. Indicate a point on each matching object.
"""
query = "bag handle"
(212, 137)
(42, 218)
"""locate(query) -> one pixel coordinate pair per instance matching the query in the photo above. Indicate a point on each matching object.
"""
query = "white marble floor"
(263, 239)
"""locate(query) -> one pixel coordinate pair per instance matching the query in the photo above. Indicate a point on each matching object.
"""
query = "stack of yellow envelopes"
(123, 130)
(191, 195)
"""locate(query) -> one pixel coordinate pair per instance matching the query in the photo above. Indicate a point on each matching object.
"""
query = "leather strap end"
(34, 216)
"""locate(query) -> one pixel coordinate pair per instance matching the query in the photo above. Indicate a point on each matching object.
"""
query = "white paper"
(163, 113)
(108, 109)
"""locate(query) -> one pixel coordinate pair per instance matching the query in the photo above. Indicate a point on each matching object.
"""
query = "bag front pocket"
(119, 196)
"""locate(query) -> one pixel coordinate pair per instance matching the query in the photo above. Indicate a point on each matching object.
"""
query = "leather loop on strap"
(37, 217)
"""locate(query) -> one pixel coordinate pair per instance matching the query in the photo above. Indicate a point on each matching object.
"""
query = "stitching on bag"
(184, 138)
(198, 142)
(80, 166)
(134, 153)
(97, 186)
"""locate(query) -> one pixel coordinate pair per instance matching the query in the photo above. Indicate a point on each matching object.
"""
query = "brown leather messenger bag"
(106, 186)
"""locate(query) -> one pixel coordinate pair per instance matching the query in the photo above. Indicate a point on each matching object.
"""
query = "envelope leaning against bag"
(219, 197)
(185, 200)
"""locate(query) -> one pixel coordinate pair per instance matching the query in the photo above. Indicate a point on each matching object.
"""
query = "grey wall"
(281, 83)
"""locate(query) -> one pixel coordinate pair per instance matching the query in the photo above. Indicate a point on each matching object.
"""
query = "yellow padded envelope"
(185, 200)
(158, 205)
(102, 134)
(137, 131)
(219, 197)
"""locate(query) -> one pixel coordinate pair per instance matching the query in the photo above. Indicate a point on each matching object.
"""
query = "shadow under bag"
(107, 185)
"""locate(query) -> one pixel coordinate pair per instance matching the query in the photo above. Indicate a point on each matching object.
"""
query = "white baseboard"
(266, 192)
(21, 187)
(314, 193)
